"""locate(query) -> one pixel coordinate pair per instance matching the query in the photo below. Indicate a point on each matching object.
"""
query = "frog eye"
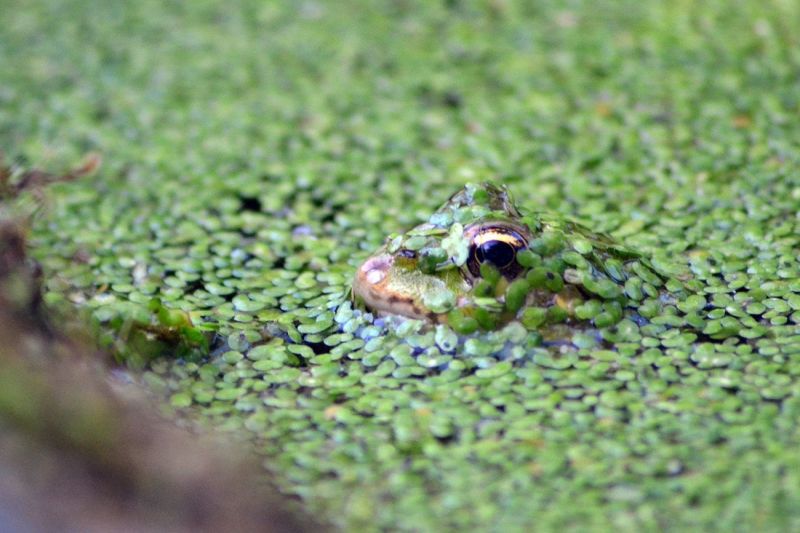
(497, 245)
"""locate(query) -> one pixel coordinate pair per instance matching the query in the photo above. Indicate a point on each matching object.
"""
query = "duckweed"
(256, 153)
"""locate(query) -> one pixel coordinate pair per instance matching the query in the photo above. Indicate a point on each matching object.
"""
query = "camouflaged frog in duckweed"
(480, 262)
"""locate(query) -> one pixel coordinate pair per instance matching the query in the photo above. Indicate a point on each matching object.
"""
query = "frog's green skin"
(566, 274)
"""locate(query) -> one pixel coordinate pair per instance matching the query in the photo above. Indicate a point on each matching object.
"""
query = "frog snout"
(371, 279)
(375, 269)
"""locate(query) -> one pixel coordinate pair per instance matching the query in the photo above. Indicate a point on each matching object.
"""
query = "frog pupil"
(499, 253)
(496, 245)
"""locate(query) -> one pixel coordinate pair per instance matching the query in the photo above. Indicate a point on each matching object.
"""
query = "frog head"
(482, 261)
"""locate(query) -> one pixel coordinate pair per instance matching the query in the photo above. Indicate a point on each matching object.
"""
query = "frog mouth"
(372, 285)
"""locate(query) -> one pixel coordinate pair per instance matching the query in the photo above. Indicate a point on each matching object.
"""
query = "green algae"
(255, 154)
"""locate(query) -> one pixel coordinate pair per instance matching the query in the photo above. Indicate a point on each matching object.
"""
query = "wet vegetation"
(255, 154)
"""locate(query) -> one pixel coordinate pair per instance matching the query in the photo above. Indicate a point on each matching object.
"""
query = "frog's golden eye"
(497, 245)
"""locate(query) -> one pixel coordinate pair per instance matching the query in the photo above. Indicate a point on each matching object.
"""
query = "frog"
(481, 261)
